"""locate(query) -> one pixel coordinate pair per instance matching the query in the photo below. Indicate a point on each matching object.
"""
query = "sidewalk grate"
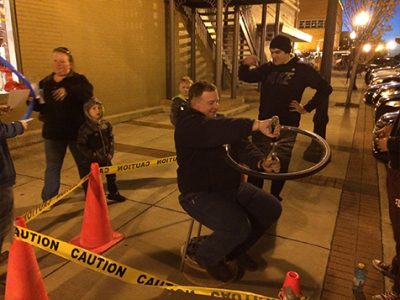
(357, 236)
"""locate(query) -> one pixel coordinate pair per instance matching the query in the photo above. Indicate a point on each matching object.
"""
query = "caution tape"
(106, 266)
(127, 167)
(39, 209)
(116, 270)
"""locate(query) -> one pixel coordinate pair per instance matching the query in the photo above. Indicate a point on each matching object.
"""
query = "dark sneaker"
(194, 244)
(390, 295)
(222, 271)
(116, 197)
(247, 263)
(385, 269)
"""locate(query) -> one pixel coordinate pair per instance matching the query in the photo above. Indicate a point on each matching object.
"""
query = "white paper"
(15, 97)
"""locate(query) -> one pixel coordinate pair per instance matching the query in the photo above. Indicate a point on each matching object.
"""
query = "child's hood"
(93, 101)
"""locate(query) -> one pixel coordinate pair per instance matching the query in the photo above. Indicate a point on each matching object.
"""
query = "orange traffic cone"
(291, 285)
(96, 233)
(24, 280)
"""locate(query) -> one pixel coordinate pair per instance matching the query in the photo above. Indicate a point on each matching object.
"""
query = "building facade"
(312, 18)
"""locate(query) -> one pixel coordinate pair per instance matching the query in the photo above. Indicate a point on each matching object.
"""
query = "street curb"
(35, 136)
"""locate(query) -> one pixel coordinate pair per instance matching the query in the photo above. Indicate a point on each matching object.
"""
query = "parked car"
(375, 92)
(384, 120)
(341, 60)
(379, 62)
(371, 89)
(386, 79)
(383, 72)
(386, 105)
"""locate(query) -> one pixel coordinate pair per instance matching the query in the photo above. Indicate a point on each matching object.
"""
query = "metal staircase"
(206, 32)
(246, 37)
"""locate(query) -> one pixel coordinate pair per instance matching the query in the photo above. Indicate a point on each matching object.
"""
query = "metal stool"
(188, 237)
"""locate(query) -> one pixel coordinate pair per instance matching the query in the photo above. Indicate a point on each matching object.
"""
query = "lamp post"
(360, 20)
(353, 36)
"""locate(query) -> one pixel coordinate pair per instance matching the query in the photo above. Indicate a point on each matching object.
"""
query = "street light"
(391, 45)
(379, 48)
(361, 19)
(353, 35)
(366, 48)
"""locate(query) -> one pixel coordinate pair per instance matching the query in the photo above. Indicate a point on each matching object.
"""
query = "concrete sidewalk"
(155, 226)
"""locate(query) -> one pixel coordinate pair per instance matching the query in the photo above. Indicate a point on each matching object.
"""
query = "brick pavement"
(357, 235)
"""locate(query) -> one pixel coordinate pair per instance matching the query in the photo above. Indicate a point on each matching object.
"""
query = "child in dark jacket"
(96, 142)
(179, 102)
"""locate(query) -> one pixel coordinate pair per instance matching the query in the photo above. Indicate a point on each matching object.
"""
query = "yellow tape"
(138, 165)
(120, 271)
(39, 209)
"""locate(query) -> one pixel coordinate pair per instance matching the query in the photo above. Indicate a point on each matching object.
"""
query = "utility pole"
(313, 152)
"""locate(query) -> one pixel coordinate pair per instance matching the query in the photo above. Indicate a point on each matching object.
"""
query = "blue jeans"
(237, 217)
(393, 192)
(55, 152)
(285, 144)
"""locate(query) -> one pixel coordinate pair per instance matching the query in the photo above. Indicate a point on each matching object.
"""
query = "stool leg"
(185, 246)
(199, 230)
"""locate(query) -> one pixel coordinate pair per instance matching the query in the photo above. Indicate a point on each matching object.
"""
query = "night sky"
(395, 22)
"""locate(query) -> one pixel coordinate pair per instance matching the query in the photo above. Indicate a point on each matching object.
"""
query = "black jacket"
(96, 141)
(62, 119)
(201, 158)
(7, 171)
(179, 104)
(393, 145)
(280, 84)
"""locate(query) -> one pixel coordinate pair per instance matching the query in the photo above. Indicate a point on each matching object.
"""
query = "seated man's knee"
(239, 230)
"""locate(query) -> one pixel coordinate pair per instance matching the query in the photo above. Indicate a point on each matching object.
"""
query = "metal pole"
(235, 54)
(263, 33)
(277, 13)
(193, 45)
(321, 113)
(218, 50)
(329, 39)
(320, 119)
(170, 44)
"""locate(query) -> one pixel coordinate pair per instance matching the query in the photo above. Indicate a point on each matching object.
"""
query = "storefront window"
(7, 47)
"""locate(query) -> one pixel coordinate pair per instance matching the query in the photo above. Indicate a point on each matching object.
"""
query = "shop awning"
(213, 3)
(291, 32)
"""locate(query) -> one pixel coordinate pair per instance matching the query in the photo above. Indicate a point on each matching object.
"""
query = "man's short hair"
(198, 88)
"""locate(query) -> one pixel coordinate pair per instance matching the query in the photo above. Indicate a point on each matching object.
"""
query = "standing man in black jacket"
(283, 81)
(237, 212)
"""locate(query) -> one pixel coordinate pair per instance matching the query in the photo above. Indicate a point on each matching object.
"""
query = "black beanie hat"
(281, 42)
